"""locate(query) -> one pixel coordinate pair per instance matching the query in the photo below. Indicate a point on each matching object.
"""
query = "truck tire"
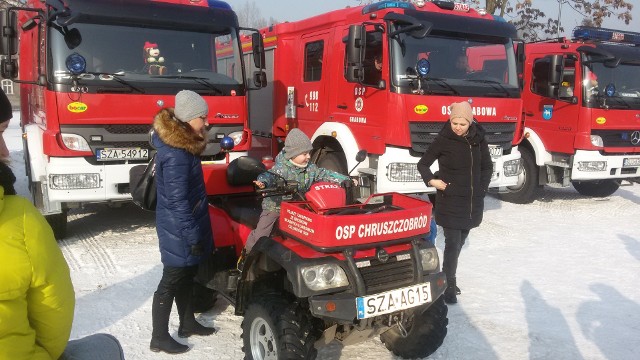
(425, 333)
(58, 223)
(599, 188)
(274, 328)
(527, 189)
(333, 161)
(203, 298)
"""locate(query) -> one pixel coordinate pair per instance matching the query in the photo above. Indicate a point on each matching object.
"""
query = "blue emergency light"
(217, 4)
(609, 35)
(76, 63)
(387, 5)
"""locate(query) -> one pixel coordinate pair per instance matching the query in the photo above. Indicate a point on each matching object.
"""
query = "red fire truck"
(582, 113)
(381, 77)
(92, 75)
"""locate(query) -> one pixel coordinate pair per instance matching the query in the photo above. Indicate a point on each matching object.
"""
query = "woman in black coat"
(464, 174)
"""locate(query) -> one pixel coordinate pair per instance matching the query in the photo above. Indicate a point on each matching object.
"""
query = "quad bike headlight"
(429, 258)
(323, 277)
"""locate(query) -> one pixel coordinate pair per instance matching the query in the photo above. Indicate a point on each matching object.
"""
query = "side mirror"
(8, 33)
(258, 51)
(259, 79)
(556, 69)
(355, 49)
(361, 156)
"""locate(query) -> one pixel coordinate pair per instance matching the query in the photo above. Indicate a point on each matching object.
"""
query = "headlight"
(404, 172)
(323, 277)
(592, 165)
(238, 137)
(74, 181)
(75, 142)
(597, 141)
(429, 259)
(512, 167)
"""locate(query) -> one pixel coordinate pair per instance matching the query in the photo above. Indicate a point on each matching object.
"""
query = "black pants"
(175, 280)
(453, 241)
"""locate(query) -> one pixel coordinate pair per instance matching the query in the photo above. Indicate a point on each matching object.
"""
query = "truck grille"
(393, 274)
(424, 133)
(615, 138)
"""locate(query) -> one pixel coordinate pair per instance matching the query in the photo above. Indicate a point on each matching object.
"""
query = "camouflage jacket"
(304, 176)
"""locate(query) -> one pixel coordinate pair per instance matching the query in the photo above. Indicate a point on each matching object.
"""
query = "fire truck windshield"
(153, 61)
(612, 84)
(466, 64)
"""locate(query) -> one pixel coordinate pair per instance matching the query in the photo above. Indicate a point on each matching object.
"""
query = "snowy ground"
(555, 279)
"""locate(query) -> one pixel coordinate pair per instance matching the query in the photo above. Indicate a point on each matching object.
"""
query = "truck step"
(557, 164)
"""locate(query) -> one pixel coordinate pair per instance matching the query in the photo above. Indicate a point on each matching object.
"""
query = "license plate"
(112, 154)
(392, 301)
(630, 162)
(495, 150)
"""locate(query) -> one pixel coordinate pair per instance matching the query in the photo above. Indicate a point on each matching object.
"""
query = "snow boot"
(450, 292)
(188, 323)
(160, 338)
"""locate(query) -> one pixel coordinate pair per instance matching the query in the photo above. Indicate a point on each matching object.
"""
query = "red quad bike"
(330, 271)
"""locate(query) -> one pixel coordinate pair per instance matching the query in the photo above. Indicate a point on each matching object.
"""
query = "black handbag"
(142, 182)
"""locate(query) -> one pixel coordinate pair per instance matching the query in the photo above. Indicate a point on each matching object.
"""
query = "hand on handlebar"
(259, 184)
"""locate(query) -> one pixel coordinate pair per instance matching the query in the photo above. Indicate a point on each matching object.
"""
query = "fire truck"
(381, 77)
(93, 73)
(581, 113)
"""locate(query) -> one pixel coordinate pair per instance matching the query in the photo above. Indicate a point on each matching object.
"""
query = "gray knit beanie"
(296, 143)
(190, 105)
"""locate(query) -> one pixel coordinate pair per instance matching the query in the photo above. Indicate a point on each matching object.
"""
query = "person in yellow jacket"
(36, 293)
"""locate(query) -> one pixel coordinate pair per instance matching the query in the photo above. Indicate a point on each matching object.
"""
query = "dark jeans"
(453, 242)
(175, 280)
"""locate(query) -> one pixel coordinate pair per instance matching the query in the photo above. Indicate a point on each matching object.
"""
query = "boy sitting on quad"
(292, 164)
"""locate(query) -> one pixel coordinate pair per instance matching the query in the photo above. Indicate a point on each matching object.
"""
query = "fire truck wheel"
(527, 189)
(334, 161)
(600, 188)
(274, 328)
(203, 298)
(424, 333)
(58, 223)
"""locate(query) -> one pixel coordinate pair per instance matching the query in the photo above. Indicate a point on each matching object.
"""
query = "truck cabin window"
(150, 58)
(313, 61)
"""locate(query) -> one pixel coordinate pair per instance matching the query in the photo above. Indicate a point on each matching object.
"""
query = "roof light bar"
(387, 5)
(602, 34)
(217, 4)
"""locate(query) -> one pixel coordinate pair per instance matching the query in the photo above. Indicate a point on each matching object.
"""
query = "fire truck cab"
(582, 113)
(93, 73)
(381, 77)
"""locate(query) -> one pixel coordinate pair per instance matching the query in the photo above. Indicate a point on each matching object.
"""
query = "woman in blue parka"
(182, 217)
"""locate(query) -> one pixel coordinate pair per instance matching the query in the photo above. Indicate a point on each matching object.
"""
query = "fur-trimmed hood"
(178, 134)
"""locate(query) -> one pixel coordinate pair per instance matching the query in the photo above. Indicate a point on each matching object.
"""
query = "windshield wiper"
(495, 84)
(442, 83)
(116, 77)
(199, 80)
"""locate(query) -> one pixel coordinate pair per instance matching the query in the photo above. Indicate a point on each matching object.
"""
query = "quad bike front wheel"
(424, 334)
(276, 329)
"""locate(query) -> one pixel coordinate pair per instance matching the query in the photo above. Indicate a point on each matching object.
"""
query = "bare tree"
(6, 3)
(249, 15)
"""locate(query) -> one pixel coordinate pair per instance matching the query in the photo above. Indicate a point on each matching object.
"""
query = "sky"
(292, 10)
(554, 279)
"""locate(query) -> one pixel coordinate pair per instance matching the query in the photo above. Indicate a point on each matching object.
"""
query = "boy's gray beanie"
(190, 105)
(296, 143)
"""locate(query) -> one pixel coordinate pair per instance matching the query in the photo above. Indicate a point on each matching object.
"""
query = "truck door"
(553, 110)
(311, 95)
(364, 106)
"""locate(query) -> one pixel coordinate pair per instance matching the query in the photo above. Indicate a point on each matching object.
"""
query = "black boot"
(160, 338)
(450, 292)
(188, 324)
